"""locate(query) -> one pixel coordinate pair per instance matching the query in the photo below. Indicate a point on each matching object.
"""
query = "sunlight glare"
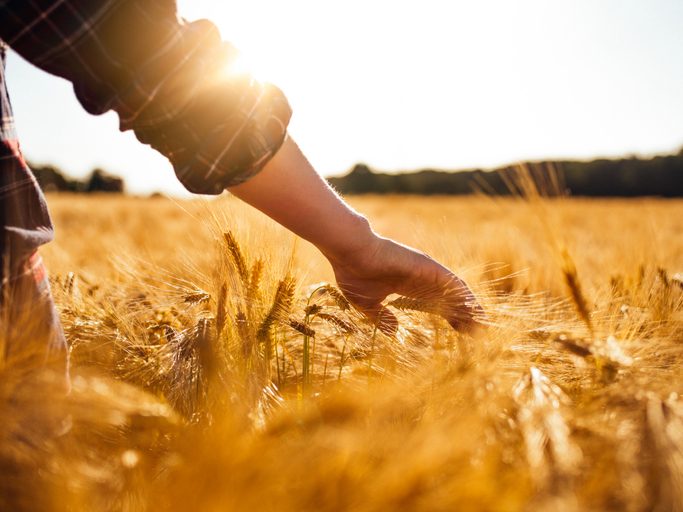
(455, 84)
(237, 66)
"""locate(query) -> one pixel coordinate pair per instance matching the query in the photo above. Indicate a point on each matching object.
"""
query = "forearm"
(291, 192)
(367, 267)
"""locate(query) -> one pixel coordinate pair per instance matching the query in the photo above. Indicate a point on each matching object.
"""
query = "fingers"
(388, 323)
(463, 312)
(378, 315)
(460, 309)
(447, 296)
(470, 319)
(430, 287)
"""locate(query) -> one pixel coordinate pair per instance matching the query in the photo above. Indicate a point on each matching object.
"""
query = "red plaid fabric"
(34, 267)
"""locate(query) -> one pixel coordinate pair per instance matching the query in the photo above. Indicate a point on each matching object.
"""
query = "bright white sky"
(404, 85)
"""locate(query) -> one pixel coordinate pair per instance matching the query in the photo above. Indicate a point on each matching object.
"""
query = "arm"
(367, 267)
(165, 81)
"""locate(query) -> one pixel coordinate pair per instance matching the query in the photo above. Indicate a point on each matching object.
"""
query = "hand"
(387, 267)
(367, 266)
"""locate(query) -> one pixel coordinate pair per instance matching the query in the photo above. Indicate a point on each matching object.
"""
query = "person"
(169, 81)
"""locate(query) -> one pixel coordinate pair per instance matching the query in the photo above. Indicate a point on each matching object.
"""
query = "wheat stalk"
(572, 280)
(665, 422)
(255, 277)
(607, 353)
(301, 327)
(221, 311)
(409, 304)
(338, 297)
(237, 257)
(197, 297)
(282, 303)
(69, 283)
(312, 310)
(344, 325)
(204, 344)
(549, 449)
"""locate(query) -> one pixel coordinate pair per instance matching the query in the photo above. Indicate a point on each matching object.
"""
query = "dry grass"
(215, 367)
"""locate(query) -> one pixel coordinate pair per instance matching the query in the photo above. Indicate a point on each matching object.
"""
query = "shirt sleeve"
(172, 82)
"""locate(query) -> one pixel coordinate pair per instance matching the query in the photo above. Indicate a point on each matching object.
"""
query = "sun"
(258, 39)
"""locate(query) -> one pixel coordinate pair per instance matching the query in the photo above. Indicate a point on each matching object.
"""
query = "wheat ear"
(344, 325)
(338, 297)
(408, 304)
(302, 328)
(237, 256)
(196, 297)
(255, 277)
(221, 311)
(282, 303)
(572, 279)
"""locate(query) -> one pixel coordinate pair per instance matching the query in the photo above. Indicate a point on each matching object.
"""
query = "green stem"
(306, 370)
(341, 360)
(372, 346)
(306, 362)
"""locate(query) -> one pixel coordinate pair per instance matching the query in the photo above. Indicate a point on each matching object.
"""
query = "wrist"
(352, 243)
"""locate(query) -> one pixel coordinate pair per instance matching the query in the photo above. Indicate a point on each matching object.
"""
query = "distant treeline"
(624, 177)
(52, 179)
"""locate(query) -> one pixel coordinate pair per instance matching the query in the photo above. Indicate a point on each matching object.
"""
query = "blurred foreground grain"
(215, 367)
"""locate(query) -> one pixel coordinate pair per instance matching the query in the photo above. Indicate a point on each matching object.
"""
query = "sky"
(399, 86)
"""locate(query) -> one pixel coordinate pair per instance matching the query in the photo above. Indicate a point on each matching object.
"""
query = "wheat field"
(215, 366)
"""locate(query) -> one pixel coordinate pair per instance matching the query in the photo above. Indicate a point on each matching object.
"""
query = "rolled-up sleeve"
(174, 83)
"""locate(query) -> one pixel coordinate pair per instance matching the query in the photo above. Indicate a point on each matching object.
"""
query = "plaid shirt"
(29, 318)
(168, 80)
(24, 220)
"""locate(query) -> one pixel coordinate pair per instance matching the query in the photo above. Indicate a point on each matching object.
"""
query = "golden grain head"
(410, 304)
(197, 297)
(341, 323)
(221, 309)
(255, 277)
(338, 297)
(312, 310)
(301, 327)
(236, 256)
